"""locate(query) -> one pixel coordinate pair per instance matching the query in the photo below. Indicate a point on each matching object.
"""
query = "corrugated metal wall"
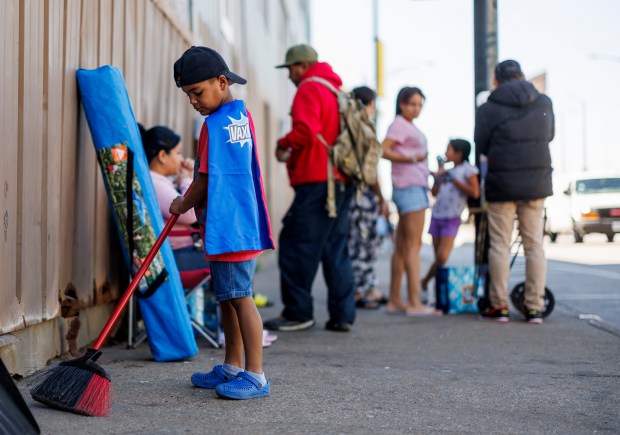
(55, 220)
(56, 227)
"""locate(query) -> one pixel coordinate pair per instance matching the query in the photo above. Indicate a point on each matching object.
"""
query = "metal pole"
(485, 43)
(485, 58)
(375, 32)
(378, 50)
(584, 137)
(562, 152)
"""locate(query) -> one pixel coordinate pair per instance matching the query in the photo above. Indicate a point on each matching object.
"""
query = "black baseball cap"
(508, 70)
(198, 64)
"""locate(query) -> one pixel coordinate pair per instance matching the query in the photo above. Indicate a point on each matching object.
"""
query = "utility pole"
(378, 50)
(584, 130)
(584, 136)
(485, 58)
(485, 43)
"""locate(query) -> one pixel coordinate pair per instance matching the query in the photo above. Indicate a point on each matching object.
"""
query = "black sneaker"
(282, 324)
(499, 314)
(337, 326)
(534, 316)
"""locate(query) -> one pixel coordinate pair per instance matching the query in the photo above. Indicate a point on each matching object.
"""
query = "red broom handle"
(136, 280)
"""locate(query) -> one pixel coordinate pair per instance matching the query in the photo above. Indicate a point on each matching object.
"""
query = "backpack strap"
(340, 95)
(161, 278)
(322, 81)
(129, 193)
(330, 204)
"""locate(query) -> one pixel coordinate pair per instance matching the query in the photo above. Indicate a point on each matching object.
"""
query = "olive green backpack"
(356, 151)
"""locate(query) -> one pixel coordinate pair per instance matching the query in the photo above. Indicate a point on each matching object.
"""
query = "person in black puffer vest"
(513, 130)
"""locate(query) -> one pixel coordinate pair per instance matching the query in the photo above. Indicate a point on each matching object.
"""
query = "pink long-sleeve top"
(166, 191)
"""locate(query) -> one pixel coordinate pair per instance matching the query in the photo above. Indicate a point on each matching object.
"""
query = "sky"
(429, 44)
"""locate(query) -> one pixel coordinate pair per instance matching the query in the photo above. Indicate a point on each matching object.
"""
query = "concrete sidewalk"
(391, 374)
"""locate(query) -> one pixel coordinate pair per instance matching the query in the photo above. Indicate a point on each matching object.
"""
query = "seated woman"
(172, 174)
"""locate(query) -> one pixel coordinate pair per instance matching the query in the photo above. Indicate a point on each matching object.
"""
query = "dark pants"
(308, 237)
(190, 258)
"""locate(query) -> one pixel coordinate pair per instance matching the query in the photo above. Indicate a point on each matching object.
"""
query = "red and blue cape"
(236, 218)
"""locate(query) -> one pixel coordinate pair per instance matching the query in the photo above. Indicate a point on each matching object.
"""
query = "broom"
(80, 385)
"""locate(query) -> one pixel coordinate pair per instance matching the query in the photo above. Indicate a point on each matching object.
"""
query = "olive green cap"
(299, 53)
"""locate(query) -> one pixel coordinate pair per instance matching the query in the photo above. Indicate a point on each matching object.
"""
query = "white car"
(594, 205)
(557, 215)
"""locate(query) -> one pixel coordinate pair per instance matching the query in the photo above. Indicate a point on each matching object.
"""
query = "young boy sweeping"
(228, 197)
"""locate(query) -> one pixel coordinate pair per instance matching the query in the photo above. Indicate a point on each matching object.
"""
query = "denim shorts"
(232, 280)
(410, 198)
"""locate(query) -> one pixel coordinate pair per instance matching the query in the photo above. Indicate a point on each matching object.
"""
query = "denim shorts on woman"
(411, 198)
(232, 280)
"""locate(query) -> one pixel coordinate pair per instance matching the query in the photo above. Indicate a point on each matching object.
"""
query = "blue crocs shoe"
(212, 379)
(244, 386)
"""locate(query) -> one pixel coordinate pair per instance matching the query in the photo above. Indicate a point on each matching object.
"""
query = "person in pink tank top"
(405, 146)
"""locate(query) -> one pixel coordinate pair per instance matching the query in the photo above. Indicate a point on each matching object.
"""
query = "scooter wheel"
(517, 297)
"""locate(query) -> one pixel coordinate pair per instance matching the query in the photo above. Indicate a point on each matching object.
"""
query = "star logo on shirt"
(239, 130)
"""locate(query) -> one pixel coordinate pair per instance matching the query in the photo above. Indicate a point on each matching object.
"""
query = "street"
(394, 374)
(585, 276)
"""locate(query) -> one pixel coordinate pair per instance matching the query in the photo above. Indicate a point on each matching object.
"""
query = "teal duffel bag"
(126, 176)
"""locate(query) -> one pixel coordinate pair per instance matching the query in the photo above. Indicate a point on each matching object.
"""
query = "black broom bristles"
(78, 386)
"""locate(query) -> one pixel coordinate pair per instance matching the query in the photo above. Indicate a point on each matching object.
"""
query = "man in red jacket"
(308, 235)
